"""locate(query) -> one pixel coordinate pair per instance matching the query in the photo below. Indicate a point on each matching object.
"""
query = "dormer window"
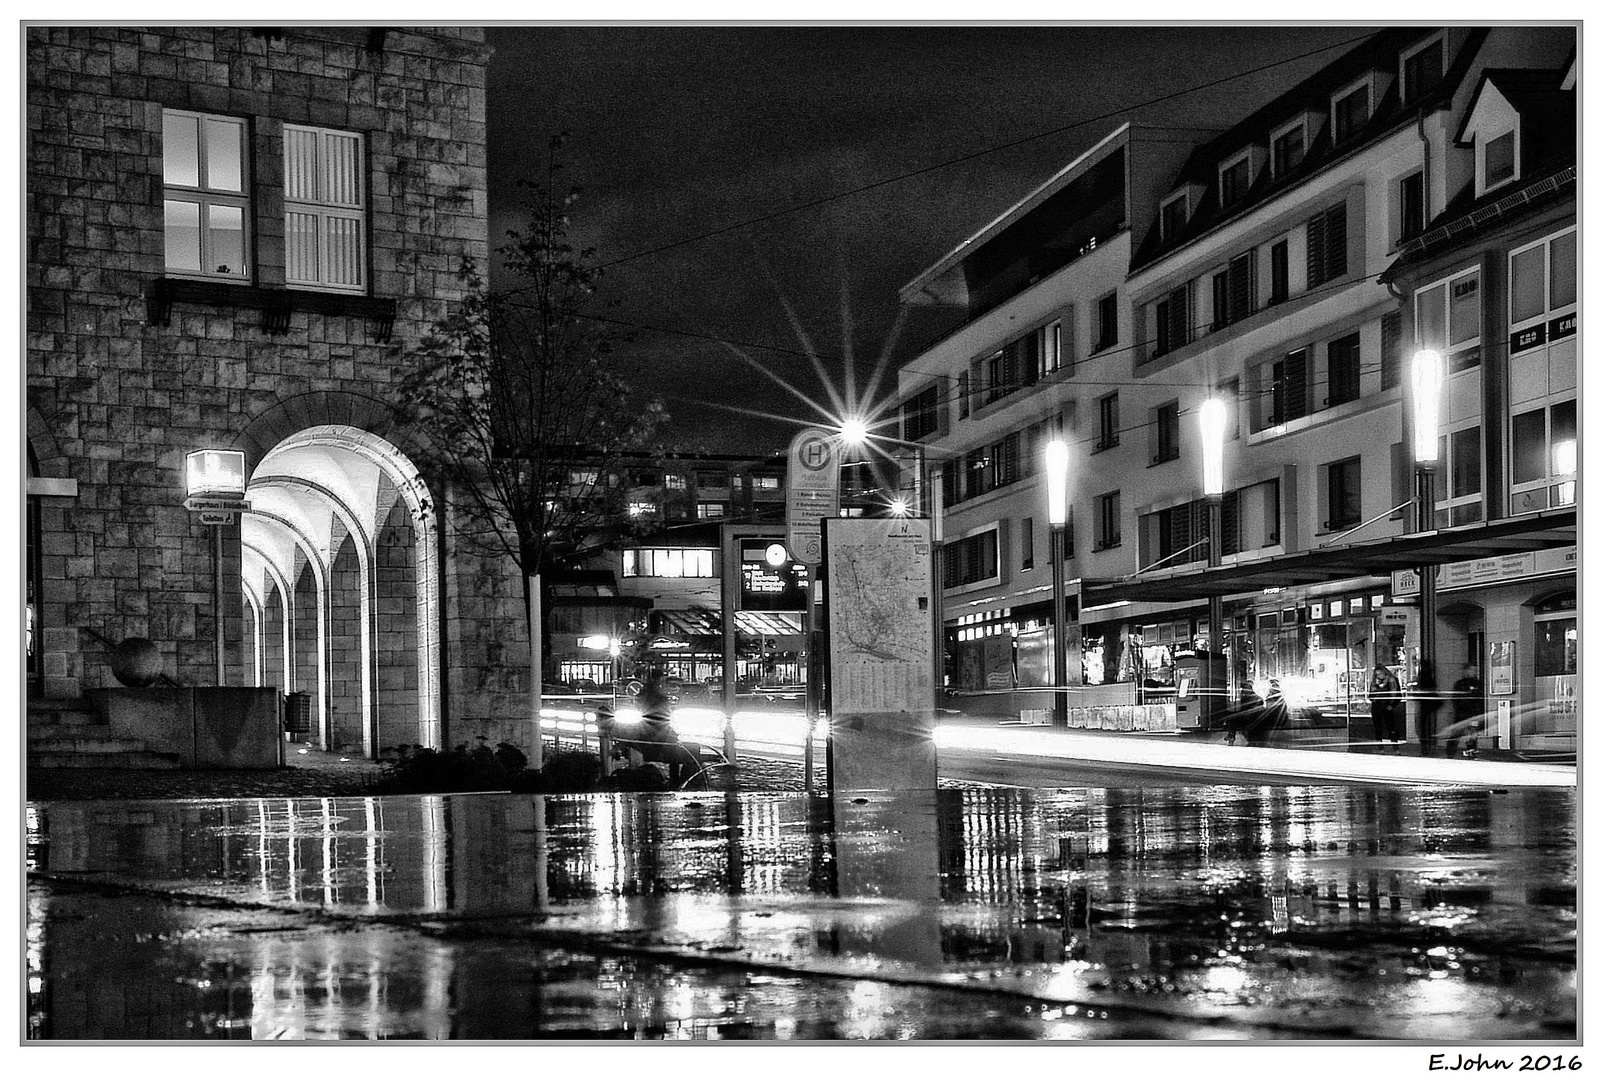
(1234, 178)
(1349, 112)
(1499, 161)
(1422, 70)
(1287, 148)
(1172, 220)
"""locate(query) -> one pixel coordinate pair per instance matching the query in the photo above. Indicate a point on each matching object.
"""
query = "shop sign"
(1529, 338)
(1562, 703)
(1502, 664)
(1393, 616)
(1477, 572)
(1561, 327)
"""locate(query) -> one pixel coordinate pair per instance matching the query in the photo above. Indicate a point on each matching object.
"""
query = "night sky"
(683, 131)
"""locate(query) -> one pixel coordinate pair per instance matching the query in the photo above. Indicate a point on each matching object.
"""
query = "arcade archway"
(340, 576)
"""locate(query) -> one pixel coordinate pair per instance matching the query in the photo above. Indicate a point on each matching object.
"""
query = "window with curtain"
(325, 212)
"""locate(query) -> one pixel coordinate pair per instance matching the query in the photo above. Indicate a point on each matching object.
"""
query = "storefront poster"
(1502, 668)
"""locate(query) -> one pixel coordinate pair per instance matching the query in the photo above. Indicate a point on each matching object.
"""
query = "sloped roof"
(1311, 95)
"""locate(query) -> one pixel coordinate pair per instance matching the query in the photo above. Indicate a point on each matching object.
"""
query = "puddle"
(1180, 913)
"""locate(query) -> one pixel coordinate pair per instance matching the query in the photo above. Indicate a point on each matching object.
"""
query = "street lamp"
(1057, 513)
(214, 487)
(1212, 417)
(1427, 387)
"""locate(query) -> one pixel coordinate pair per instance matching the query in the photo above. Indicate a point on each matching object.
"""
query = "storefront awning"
(1509, 536)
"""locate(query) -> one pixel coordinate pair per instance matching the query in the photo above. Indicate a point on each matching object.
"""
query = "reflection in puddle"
(991, 913)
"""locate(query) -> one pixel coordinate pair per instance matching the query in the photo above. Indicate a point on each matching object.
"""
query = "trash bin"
(298, 712)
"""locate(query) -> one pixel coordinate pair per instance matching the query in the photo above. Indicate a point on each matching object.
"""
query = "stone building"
(236, 236)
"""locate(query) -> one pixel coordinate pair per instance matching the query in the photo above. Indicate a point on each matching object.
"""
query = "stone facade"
(132, 365)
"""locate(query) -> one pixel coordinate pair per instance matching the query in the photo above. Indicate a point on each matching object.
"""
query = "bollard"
(807, 758)
(604, 741)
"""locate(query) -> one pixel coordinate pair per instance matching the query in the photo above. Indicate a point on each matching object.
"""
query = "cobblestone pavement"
(313, 774)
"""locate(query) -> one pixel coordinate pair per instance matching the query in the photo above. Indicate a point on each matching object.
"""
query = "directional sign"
(216, 517)
(812, 492)
(205, 505)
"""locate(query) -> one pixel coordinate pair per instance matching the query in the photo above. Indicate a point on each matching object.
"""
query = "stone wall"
(124, 380)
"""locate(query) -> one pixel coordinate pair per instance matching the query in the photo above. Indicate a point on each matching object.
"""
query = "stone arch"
(349, 488)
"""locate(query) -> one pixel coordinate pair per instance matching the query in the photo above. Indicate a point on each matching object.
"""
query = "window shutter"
(1240, 287)
(1180, 332)
(1391, 349)
(1230, 523)
(1316, 250)
(1336, 241)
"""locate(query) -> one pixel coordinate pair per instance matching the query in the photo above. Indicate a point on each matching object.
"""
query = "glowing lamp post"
(1427, 401)
(214, 487)
(1212, 417)
(1057, 514)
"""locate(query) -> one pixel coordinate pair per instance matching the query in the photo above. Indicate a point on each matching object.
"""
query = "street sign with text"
(812, 492)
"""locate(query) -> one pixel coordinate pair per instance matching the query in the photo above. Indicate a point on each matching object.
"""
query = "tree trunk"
(536, 647)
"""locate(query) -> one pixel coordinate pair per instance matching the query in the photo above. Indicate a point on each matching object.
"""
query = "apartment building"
(1253, 276)
(236, 235)
(1044, 336)
(1490, 284)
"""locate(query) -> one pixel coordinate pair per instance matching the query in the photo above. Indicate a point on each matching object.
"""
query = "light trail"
(783, 732)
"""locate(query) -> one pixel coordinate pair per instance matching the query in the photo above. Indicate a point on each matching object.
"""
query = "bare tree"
(521, 395)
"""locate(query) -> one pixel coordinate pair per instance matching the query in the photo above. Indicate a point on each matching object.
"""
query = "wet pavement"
(1180, 912)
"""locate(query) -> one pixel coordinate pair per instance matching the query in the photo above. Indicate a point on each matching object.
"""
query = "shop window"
(709, 511)
(205, 195)
(1342, 360)
(1542, 280)
(325, 215)
(1557, 637)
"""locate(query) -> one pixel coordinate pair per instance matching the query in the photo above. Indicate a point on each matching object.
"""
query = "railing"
(1371, 521)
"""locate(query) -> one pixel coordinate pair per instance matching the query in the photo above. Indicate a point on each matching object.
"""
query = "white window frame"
(325, 211)
(1564, 481)
(1449, 348)
(1445, 499)
(1481, 184)
(692, 562)
(1367, 85)
(1228, 164)
(204, 196)
(1409, 53)
(1301, 123)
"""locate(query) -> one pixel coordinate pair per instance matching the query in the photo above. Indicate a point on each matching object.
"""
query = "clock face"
(775, 554)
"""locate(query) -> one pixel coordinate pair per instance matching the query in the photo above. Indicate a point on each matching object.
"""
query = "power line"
(822, 200)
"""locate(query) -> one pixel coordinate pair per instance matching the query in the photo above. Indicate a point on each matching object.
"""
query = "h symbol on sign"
(815, 454)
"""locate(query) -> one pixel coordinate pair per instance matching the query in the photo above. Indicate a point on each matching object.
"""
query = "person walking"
(1245, 717)
(1429, 696)
(1386, 705)
(1469, 699)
